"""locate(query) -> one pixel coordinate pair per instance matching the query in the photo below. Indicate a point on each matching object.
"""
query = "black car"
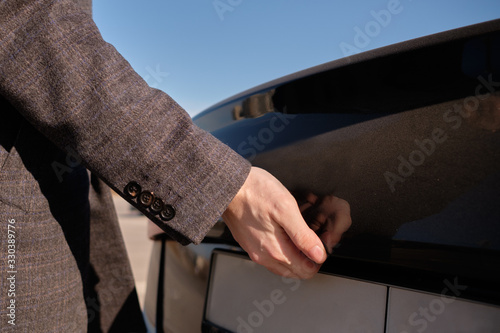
(409, 135)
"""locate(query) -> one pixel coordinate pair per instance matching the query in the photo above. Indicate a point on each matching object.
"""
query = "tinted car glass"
(409, 138)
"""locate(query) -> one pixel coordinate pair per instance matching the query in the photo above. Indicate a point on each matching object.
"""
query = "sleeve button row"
(148, 200)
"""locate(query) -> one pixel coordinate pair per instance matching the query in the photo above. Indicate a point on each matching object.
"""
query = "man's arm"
(80, 93)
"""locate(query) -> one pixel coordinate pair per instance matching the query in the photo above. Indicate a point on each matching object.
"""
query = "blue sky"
(203, 51)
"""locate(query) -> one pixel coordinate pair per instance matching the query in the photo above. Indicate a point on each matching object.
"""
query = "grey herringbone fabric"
(69, 102)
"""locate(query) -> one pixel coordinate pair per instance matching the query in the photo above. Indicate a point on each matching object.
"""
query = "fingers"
(302, 237)
(334, 230)
(292, 259)
(300, 264)
(291, 274)
(280, 255)
(266, 221)
(330, 218)
(308, 201)
(296, 266)
(341, 222)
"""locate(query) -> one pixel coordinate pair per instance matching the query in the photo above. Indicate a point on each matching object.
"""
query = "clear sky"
(203, 51)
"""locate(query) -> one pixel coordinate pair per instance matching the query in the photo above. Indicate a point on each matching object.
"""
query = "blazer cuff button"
(146, 199)
(167, 213)
(132, 189)
(157, 206)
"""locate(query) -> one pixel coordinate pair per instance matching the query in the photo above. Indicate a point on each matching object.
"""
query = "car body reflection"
(409, 137)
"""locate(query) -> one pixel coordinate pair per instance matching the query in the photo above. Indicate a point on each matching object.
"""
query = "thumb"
(305, 239)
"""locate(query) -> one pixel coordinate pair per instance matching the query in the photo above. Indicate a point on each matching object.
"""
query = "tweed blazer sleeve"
(79, 92)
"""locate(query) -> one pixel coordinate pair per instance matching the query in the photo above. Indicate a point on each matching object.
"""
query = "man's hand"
(265, 220)
(328, 216)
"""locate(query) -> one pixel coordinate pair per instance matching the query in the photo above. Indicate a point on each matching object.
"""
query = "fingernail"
(318, 254)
